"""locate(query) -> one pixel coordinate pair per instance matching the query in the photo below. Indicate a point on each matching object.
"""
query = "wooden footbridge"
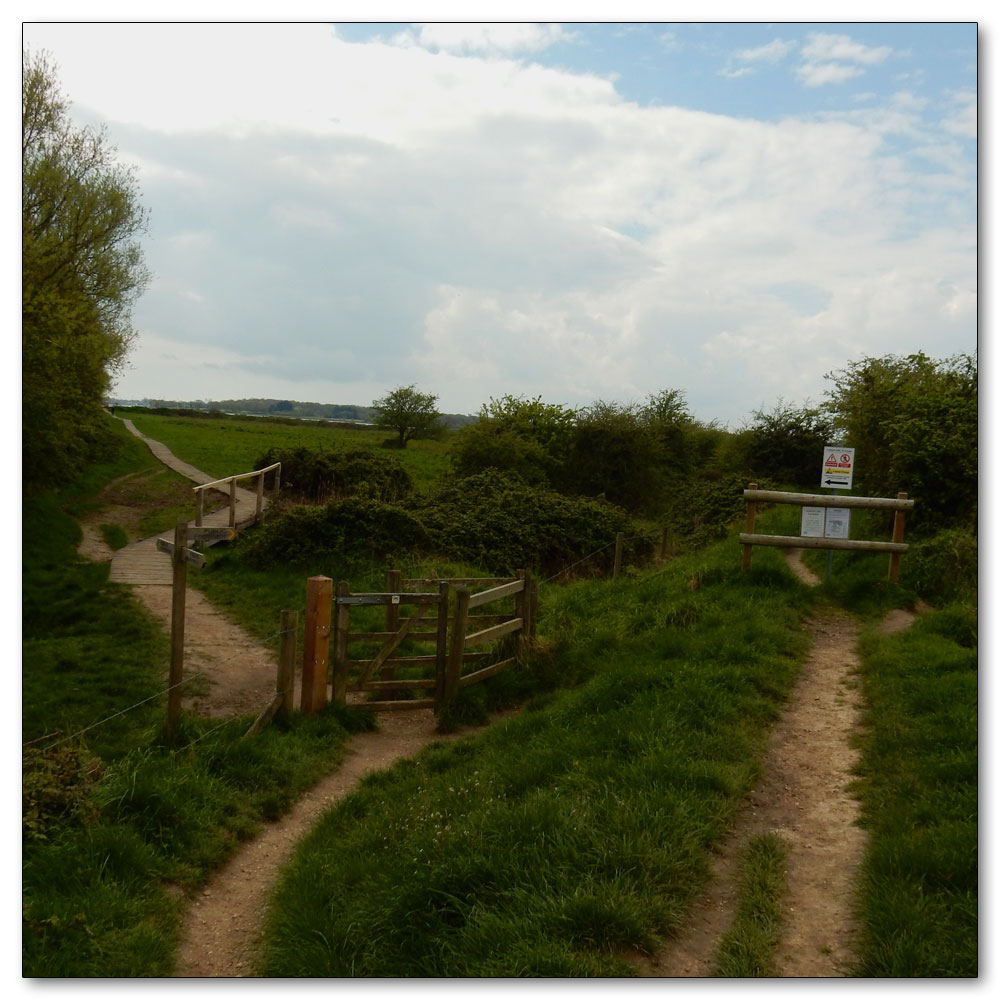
(144, 562)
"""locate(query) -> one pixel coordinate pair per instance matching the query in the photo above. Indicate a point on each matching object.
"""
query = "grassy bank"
(919, 793)
(563, 839)
(115, 823)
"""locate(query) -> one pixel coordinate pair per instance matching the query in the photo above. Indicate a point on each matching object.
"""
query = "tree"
(409, 413)
(81, 272)
(915, 424)
(786, 443)
(516, 434)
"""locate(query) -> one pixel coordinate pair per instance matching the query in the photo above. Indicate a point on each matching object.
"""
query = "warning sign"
(838, 468)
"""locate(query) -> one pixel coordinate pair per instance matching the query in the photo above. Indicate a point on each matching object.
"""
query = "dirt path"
(804, 797)
(222, 929)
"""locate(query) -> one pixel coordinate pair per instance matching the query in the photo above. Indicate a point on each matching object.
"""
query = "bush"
(945, 568)
(319, 476)
(500, 522)
(348, 530)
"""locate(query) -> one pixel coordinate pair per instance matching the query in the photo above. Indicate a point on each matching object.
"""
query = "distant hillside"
(283, 408)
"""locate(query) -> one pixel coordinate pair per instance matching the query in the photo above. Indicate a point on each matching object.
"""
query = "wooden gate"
(433, 623)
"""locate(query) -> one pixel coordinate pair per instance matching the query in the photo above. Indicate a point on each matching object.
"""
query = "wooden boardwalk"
(142, 563)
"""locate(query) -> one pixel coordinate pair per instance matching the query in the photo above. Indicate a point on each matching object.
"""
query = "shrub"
(332, 475)
(500, 522)
(355, 529)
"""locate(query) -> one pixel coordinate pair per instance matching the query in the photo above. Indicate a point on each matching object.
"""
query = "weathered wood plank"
(798, 542)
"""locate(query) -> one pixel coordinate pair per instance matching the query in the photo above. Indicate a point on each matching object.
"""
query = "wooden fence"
(895, 548)
(232, 480)
(436, 625)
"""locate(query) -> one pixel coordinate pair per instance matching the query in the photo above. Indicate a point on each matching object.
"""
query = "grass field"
(553, 845)
(229, 447)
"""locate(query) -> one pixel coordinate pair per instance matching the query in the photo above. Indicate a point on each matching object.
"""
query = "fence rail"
(900, 504)
(232, 480)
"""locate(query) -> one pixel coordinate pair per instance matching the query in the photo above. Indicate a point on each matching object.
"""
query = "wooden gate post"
(232, 503)
(522, 610)
(751, 521)
(285, 685)
(441, 650)
(457, 650)
(341, 626)
(178, 603)
(898, 524)
(316, 643)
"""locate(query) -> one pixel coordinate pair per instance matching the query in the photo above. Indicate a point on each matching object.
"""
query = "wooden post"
(751, 521)
(341, 626)
(457, 649)
(619, 539)
(285, 683)
(199, 513)
(177, 631)
(522, 610)
(277, 484)
(316, 643)
(898, 524)
(260, 498)
(232, 503)
(441, 651)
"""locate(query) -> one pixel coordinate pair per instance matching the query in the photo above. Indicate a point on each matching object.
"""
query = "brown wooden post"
(441, 651)
(232, 503)
(898, 524)
(456, 651)
(522, 610)
(178, 604)
(260, 498)
(200, 512)
(751, 521)
(619, 539)
(285, 684)
(316, 643)
(341, 627)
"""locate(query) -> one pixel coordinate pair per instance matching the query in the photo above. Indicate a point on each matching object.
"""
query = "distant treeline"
(277, 408)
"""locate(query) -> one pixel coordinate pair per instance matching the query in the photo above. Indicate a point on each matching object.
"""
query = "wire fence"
(194, 675)
(259, 644)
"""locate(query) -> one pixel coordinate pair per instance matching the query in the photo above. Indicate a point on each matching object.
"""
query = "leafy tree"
(915, 424)
(409, 413)
(786, 443)
(519, 435)
(81, 272)
(615, 453)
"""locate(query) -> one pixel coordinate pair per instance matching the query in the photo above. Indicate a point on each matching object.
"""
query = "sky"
(572, 211)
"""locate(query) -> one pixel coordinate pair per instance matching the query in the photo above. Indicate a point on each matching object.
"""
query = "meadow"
(558, 843)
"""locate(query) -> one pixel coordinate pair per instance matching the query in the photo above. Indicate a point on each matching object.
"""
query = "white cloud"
(822, 47)
(836, 58)
(820, 74)
(963, 120)
(331, 219)
(484, 38)
(772, 52)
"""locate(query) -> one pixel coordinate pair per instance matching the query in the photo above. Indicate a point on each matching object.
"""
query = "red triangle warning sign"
(831, 460)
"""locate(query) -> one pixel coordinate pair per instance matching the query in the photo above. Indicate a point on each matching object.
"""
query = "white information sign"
(838, 522)
(838, 468)
(812, 522)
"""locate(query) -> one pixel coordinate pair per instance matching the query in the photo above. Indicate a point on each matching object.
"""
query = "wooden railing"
(258, 473)
(900, 504)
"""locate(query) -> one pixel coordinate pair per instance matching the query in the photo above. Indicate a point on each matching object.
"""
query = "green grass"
(114, 822)
(919, 793)
(747, 948)
(228, 447)
(565, 838)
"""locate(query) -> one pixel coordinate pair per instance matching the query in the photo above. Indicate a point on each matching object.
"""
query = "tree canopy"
(411, 414)
(81, 273)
